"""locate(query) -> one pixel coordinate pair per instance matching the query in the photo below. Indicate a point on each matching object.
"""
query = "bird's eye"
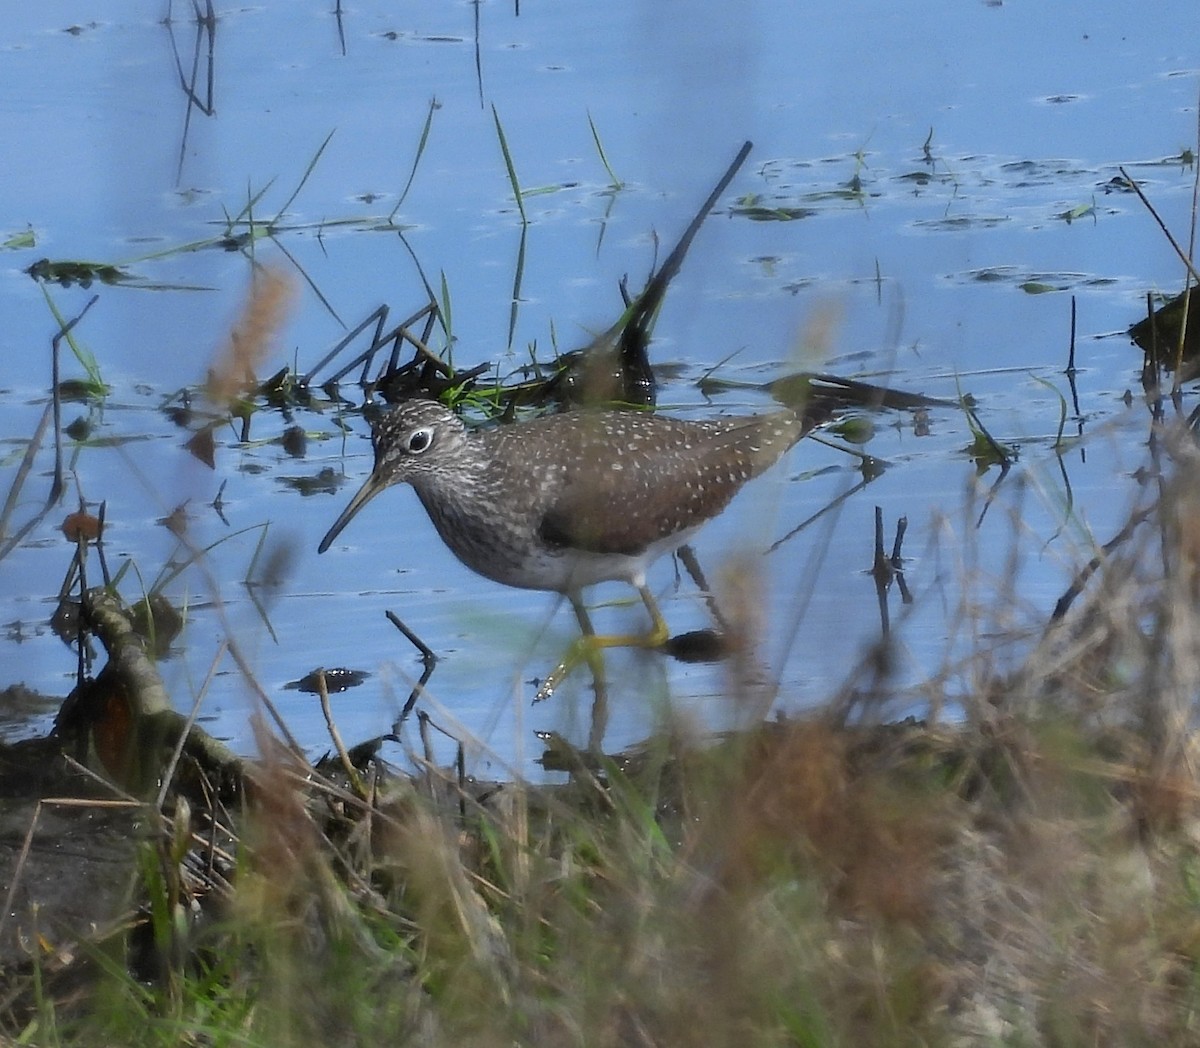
(420, 439)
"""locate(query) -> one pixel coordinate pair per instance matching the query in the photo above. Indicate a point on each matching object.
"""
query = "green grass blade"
(615, 182)
(508, 163)
(85, 357)
(303, 178)
(433, 106)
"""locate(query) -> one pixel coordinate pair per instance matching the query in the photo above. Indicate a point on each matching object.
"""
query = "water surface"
(935, 153)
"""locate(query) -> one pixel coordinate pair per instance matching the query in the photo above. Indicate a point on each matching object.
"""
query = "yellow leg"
(595, 660)
(659, 634)
(590, 646)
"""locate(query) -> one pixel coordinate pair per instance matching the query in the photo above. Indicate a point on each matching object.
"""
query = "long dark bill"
(368, 491)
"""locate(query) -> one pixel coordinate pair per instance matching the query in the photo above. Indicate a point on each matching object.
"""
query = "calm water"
(928, 262)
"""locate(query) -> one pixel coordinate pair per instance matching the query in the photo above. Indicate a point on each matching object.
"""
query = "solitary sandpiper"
(565, 501)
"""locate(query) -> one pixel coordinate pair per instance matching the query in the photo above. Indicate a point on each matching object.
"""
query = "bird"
(562, 502)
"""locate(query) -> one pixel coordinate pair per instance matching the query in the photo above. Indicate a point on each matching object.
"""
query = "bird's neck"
(458, 501)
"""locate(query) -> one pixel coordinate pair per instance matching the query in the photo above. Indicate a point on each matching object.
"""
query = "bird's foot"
(590, 649)
(584, 649)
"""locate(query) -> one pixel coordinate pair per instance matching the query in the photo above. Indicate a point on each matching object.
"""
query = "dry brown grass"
(1027, 875)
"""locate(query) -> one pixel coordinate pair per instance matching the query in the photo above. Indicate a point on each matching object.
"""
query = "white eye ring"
(419, 440)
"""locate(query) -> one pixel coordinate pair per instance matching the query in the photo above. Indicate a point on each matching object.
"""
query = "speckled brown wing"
(670, 475)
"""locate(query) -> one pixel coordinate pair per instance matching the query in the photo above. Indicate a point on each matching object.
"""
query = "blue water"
(1028, 110)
